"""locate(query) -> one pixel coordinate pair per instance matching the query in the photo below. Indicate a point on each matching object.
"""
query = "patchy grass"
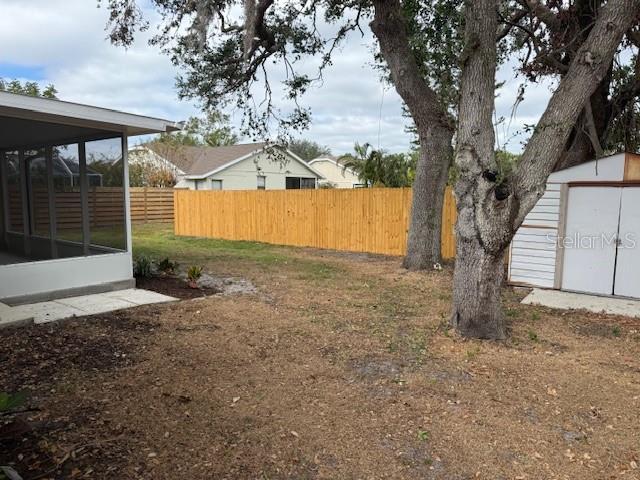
(341, 366)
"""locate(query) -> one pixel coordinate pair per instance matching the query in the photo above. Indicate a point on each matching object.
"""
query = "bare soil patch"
(342, 367)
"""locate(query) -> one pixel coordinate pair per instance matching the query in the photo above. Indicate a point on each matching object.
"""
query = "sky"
(63, 42)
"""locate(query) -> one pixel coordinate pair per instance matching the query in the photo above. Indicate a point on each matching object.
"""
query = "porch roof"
(26, 121)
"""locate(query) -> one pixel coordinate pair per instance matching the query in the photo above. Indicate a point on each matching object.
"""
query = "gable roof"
(202, 160)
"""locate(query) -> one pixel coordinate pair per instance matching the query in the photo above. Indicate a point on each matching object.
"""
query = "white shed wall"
(533, 249)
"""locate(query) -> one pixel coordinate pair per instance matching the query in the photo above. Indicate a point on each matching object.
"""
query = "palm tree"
(375, 168)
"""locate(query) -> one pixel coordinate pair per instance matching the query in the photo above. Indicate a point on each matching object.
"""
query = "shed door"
(627, 282)
(589, 242)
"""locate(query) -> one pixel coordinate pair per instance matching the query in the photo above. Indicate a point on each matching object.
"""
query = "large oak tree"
(225, 51)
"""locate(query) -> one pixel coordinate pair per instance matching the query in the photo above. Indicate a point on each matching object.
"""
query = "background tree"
(213, 130)
(149, 174)
(27, 88)
(307, 149)
(223, 56)
(377, 169)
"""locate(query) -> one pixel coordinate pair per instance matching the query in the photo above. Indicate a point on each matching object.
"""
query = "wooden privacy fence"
(151, 205)
(373, 220)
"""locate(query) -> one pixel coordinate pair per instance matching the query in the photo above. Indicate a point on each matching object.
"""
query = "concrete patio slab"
(577, 301)
(11, 318)
(44, 312)
(139, 296)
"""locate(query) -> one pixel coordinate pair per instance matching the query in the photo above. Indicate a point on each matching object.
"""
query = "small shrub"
(193, 275)
(616, 331)
(142, 267)
(10, 401)
(167, 266)
(533, 336)
(423, 435)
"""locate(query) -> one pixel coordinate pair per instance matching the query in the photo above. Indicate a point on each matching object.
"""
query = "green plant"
(533, 336)
(616, 331)
(193, 275)
(167, 266)
(10, 401)
(535, 316)
(142, 266)
(423, 435)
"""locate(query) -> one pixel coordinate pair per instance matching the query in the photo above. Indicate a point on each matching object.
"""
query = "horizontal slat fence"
(373, 220)
(151, 205)
(106, 207)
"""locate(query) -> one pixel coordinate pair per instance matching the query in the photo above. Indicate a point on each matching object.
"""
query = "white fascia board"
(58, 111)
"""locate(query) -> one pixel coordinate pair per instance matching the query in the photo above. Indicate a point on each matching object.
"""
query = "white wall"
(533, 248)
(334, 174)
(244, 174)
(24, 279)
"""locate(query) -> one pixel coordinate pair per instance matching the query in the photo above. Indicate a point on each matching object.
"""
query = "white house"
(335, 174)
(251, 166)
(583, 235)
(64, 197)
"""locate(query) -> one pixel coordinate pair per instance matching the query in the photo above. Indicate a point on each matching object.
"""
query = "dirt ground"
(340, 366)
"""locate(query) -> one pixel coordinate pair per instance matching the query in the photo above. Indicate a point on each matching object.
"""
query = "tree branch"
(390, 29)
(543, 13)
(586, 71)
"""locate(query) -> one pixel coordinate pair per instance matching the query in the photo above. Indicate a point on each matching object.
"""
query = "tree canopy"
(378, 169)
(212, 130)
(308, 149)
(32, 89)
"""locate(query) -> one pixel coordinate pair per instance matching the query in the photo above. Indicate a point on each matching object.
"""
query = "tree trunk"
(480, 226)
(435, 129)
(477, 281)
(424, 247)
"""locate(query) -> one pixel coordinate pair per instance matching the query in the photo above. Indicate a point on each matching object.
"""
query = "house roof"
(200, 162)
(203, 160)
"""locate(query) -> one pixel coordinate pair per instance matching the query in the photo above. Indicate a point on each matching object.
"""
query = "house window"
(262, 182)
(307, 183)
(297, 183)
(216, 184)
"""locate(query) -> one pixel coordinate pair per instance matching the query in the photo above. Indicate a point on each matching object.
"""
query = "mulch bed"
(45, 363)
(174, 287)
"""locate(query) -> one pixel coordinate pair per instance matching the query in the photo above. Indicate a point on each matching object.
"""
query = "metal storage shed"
(583, 235)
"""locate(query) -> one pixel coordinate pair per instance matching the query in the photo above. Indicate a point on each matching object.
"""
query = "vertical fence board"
(373, 220)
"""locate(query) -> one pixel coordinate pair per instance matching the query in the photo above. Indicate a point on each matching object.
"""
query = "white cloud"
(66, 40)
